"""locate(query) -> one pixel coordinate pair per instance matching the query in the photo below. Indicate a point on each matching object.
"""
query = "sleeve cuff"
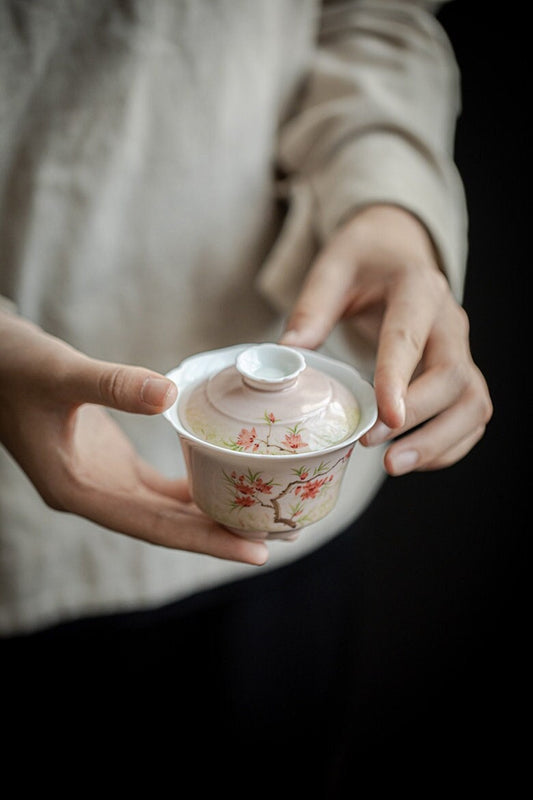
(384, 168)
(380, 168)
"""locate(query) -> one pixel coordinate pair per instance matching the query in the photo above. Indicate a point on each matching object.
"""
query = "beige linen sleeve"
(375, 124)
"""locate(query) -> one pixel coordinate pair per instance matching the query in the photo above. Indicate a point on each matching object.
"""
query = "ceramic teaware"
(266, 432)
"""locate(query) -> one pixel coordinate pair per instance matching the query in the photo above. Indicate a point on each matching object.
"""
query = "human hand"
(53, 423)
(380, 271)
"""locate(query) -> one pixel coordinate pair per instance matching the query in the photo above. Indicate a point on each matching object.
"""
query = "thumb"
(321, 302)
(123, 387)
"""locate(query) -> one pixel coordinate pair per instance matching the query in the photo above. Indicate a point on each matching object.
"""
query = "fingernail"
(156, 391)
(400, 405)
(404, 461)
(379, 434)
(260, 555)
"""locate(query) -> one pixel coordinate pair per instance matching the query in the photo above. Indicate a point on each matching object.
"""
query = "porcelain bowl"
(265, 495)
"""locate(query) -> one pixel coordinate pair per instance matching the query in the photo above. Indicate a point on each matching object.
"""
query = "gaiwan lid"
(270, 402)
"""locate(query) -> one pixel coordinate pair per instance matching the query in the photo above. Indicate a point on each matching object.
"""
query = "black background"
(451, 606)
(487, 492)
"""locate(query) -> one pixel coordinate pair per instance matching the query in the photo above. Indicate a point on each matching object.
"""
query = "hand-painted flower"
(293, 441)
(245, 500)
(246, 438)
(262, 487)
(312, 488)
(244, 488)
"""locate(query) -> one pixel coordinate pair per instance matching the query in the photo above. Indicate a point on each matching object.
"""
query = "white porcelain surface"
(270, 367)
(292, 483)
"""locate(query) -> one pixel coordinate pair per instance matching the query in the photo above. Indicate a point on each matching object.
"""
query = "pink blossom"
(246, 438)
(293, 441)
(312, 488)
(261, 486)
(244, 488)
(245, 501)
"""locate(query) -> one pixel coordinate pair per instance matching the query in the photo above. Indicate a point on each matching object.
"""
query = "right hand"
(380, 270)
(53, 423)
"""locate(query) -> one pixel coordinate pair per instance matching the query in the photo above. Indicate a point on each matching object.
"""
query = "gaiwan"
(267, 432)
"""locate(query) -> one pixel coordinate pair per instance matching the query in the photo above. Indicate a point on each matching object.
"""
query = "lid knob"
(270, 367)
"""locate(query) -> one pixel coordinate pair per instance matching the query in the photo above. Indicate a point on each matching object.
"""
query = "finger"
(176, 488)
(412, 306)
(428, 443)
(321, 302)
(427, 396)
(457, 452)
(165, 522)
(122, 387)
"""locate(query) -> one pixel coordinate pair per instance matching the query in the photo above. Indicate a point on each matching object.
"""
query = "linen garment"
(168, 171)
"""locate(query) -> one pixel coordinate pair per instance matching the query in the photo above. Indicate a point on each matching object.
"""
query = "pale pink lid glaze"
(271, 403)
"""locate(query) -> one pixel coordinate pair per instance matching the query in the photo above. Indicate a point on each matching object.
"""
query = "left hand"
(380, 270)
(54, 423)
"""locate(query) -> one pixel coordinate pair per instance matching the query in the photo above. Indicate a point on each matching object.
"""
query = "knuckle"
(173, 529)
(459, 375)
(406, 337)
(413, 415)
(486, 408)
(463, 320)
(440, 287)
(431, 280)
(64, 485)
(53, 495)
(111, 386)
(52, 500)
(481, 398)
(299, 317)
(163, 528)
